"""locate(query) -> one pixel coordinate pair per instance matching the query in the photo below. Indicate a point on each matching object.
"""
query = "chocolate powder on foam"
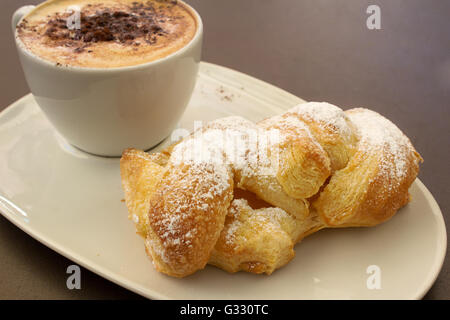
(108, 25)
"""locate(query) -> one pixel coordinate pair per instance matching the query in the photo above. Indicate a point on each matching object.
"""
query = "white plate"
(71, 202)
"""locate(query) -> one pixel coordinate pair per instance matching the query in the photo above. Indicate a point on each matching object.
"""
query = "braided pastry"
(313, 167)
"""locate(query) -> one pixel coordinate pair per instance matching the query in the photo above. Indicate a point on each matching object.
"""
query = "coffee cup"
(104, 110)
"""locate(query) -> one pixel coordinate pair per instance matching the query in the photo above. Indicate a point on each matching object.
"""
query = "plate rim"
(440, 258)
(152, 294)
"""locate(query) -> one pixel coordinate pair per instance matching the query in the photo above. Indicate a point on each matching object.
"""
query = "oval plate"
(71, 202)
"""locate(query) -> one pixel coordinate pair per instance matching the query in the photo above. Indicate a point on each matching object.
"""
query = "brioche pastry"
(325, 169)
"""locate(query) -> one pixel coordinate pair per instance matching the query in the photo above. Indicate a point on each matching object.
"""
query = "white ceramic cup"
(104, 111)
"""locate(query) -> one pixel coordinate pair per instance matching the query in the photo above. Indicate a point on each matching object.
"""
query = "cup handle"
(19, 14)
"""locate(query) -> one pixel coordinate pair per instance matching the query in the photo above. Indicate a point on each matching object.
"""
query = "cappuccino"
(106, 33)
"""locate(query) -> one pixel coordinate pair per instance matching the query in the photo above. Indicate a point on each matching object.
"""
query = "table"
(319, 50)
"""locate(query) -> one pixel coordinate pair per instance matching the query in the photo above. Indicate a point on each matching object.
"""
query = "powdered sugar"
(325, 114)
(291, 128)
(231, 141)
(379, 135)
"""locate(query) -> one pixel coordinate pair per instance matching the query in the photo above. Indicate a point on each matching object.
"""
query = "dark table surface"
(319, 50)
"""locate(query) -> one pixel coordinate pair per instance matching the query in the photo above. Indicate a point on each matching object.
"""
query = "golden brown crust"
(254, 240)
(375, 183)
(332, 129)
(179, 209)
(355, 168)
(259, 240)
(140, 176)
(250, 150)
(302, 165)
(187, 213)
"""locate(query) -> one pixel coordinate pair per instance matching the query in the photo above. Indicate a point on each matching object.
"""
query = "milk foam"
(175, 19)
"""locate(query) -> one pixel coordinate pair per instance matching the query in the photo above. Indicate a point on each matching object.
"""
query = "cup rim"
(197, 37)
